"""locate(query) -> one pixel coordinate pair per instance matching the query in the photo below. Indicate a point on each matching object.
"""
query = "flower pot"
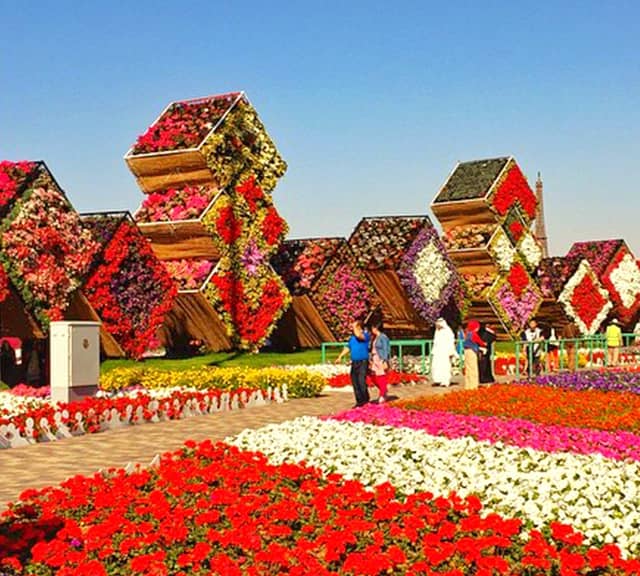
(483, 192)
(210, 141)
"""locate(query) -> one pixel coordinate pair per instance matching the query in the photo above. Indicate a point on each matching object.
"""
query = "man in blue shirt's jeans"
(358, 347)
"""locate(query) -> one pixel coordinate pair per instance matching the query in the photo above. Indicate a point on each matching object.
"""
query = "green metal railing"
(424, 346)
(531, 358)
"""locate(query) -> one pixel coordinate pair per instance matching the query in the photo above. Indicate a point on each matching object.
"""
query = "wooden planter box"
(467, 196)
(163, 169)
(177, 239)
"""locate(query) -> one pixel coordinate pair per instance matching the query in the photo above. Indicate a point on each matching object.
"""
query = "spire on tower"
(540, 228)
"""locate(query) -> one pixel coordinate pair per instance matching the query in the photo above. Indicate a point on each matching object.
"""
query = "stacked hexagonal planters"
(208, 168)
(486, 208)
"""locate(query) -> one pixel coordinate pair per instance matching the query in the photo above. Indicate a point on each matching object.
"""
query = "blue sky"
(370, 103)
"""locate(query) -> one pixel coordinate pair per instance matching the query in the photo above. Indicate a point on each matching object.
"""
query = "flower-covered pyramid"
(44, 249)
(343, 293)
(300, 263)
(301, 260)
(617, 270)
(128, 286)
(208, 167)
(380, 244)
(584, 299)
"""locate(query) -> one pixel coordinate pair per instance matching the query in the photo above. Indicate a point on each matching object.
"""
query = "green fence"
(531, 358)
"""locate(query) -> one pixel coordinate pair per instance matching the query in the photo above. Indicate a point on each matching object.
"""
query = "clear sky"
(371, 103)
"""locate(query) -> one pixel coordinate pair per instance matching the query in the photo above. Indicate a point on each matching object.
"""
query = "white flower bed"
(11, 405)
(597, 496)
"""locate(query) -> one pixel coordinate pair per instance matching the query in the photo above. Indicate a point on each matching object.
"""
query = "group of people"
(370, 352)
(474, 343)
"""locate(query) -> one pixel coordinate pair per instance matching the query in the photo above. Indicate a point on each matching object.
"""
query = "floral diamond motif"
(585, 300)
(515, 298)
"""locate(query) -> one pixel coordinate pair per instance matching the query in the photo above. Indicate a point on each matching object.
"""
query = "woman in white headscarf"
(444, 348)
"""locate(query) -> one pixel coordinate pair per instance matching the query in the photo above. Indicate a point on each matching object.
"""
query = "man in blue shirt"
(358, 348)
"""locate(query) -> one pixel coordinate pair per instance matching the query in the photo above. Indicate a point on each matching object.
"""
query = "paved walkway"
(50, 463)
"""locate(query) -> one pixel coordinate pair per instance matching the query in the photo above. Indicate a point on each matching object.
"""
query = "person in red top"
(472, 344)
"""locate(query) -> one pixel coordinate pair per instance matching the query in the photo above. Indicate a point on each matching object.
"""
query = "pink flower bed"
(515, 432)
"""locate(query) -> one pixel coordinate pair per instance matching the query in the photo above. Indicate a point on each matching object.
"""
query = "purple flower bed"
(514, 432)
(612, 381)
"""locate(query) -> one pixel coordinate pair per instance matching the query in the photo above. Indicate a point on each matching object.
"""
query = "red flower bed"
(93, 410)
(580, 409)
(395, 378)
(129, 287)
(212, 509)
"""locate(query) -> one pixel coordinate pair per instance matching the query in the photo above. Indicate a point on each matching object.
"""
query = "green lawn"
(228, 359)
(221, 359)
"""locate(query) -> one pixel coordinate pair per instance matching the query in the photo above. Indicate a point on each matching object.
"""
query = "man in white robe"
(444, 349)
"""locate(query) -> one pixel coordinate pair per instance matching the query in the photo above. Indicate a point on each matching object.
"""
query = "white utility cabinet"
(74, 352)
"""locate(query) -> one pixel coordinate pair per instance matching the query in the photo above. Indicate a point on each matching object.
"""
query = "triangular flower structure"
(429, 277)
(45, 250)
(343, 293)
(585, 300)
(128, 286)
(209, 166)
(622, 280)
(380, 244)
(300, 261)
(617, 269)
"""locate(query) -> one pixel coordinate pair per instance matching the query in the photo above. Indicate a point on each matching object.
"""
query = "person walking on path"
(487, 334)
(358, 348)
(472, 344)
(614, 342)
(443, 351)
(380, 354)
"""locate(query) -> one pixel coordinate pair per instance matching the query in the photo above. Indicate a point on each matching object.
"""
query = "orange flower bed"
(581, 409)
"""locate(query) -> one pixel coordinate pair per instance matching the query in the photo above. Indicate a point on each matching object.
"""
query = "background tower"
(540, 228)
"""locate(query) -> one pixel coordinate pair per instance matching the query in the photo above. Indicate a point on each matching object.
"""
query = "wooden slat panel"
(80, 309)
(463, 212)
(159, 171)
(15, 320)
(301, 326)
(168, 248)
(192, 316)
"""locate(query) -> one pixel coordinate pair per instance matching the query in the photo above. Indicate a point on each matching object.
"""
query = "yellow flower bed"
(300, 383)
